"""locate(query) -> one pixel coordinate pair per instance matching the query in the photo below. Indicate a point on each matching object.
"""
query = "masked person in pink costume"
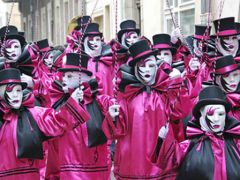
(226, 37)
(212, 149)
(17, 53)
(47, 73)
(147, 94)
(76, 27)
(87, 156)
(227, 77)
(24, 126)
(126, 36)
(165, 54)
(100, 57)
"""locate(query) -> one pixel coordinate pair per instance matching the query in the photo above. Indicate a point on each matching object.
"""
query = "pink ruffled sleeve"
(55, 123)
(169, 154)
(115, 129)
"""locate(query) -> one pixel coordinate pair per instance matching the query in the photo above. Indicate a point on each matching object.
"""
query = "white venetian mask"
(145, 70)
(70, 80)
(166, 56)
(197, 47)
(13, 95)
(213, 118)
(228, 46)
(229, 82)
(93, 45)
(13, 49)
(129, 38)
(48, 60)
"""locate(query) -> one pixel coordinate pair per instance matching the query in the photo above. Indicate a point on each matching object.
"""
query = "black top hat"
(21, 33)
(72, 63)
(82, 22)
(126, 26)
(237, 26)
(11, 76)
(139, 50)
(202, 32)
(226, 27)
(163, 41)
(210, 95)
(12, 33)
(225, 64)
(43, 45)
(92, 29)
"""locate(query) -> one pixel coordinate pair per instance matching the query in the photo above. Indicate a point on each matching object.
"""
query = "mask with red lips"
(229, 82)
(93, 45)
(12, 94)
(227, 45)
(213, 118)
(145, 70)
(12, 50)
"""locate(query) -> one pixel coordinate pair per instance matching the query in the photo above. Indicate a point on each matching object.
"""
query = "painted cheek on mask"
(70, 80)
(147, 70)
(14, 96)
(216, 116)
(166, 56)
(232, 80)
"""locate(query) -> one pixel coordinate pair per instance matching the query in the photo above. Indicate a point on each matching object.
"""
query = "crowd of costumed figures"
(161, 109)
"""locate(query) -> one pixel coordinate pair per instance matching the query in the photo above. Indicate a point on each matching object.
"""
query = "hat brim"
(196, 110)
(201, 39)
(135, 60)
(89, 73)
(121, 32)
(215, 36)
(93, 34)
(172, 49)
(18, 37)
(214, 73)
(23, 84)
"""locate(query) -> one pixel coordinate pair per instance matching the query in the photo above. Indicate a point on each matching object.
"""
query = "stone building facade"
(49, 18)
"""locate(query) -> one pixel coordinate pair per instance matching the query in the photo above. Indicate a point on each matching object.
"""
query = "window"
(169, 22)
(175, 3)
(170, 3)
(184, 15)
(183, 1)
(205, 6)
(187, 21)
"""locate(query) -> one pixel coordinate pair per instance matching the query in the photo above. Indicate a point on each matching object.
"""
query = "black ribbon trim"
(29, 136)
(96, 135)
(96, 59)
(61, 101)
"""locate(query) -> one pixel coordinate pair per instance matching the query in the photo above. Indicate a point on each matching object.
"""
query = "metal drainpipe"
(33, 19)
(138, 4)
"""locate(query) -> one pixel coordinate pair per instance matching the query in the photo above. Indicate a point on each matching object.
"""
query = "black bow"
(29, 136)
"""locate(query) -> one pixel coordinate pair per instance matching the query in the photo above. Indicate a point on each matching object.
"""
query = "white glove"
(194, 64)
(175, 73)
(114, 111)
(114, 80)
(163, 131)
(27, 79)
(77, 95)
(175, 35)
